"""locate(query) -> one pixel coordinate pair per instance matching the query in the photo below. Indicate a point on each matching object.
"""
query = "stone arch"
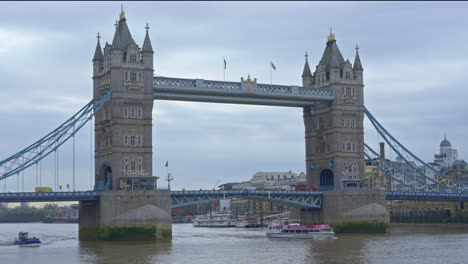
(104, 178)
(326, 180)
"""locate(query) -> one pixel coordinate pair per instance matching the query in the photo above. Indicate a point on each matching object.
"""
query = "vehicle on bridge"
(43, 189)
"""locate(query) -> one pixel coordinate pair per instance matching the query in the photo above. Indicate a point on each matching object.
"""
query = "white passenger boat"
(248, 222)
(296, 230)
(214, 220)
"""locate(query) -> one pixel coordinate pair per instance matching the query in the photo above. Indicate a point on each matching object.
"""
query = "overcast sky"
(414, 56)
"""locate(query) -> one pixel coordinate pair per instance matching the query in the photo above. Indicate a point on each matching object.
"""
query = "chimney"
(382, 150)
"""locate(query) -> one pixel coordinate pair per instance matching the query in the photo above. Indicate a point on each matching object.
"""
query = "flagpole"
(271, 76)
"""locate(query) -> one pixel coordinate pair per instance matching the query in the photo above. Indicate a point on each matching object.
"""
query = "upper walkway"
(243, 92)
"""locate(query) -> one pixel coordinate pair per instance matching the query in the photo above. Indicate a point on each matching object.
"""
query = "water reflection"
(123, 252)
(418, 244)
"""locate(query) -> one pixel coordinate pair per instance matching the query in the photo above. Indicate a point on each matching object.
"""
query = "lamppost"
(169, 179)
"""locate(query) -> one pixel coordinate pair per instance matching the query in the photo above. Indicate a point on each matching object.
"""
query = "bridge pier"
(356, 211)
(127, 215)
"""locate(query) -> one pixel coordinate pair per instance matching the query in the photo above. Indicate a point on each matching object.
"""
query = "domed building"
(447, 155)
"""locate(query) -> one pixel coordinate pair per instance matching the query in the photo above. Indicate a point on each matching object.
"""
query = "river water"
(402, 244)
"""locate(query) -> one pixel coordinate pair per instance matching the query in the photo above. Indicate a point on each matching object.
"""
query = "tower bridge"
(124, 195)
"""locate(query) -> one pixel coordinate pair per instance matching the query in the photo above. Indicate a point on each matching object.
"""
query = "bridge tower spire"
(306, 73)
(334, 131)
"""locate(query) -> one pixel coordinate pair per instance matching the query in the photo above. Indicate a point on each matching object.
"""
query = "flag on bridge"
(167, 163)
(273, 65)
(224, 70)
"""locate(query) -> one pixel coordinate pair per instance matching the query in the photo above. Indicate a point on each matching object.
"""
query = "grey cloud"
(413, 57)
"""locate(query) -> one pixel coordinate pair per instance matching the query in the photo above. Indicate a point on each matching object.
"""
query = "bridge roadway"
(182, 198)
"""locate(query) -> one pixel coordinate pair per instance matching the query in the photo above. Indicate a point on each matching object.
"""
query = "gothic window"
(132, 140)
(347, 92)
(133, 76)
(321, 123)
(343, 122)
(125, 140)
(132, 115)
(133, 165)
(140, 160)
(125, 112)
(132, 58)
(353, 122)
(126, 76)
(138, 138)
(347, 75)
(327, 74)
(140, 112)
(139, 77)
(353, 147)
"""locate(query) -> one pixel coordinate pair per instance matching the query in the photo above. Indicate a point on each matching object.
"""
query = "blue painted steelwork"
(49, 196)
(49, 143)
(299, 198)
(444, 182)
(183, 198)
(247, 92)
(427, 196)
(406, 179)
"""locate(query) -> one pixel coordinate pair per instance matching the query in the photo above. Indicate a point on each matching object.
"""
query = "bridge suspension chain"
(43, 147)
(422, 169)
(398, 174)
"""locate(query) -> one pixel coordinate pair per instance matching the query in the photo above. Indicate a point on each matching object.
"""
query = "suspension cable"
(73, 157)
(91, 153)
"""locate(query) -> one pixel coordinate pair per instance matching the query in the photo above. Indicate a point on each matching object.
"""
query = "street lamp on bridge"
(169, 179)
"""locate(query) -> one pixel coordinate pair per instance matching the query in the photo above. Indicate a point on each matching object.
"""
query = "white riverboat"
(296, 230)
(214, 220)
(248, 222)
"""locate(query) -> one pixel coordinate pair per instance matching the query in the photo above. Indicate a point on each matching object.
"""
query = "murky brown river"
(425, 244)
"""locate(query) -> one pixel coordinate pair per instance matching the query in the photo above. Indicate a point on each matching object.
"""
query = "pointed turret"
(147, 47)
(357, 61)
(98, 56)
(122, 36)
(306, 73)
(332, 57)
(357, 67)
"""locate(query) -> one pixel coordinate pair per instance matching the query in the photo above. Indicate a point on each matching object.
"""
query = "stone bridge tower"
(123, 128)
(334, 132)
(130, 206)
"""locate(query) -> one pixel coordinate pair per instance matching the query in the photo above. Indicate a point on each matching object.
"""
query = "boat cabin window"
(304, 231)
(298, 231)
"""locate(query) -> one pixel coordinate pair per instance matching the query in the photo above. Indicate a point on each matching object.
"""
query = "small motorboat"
(23, 239)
